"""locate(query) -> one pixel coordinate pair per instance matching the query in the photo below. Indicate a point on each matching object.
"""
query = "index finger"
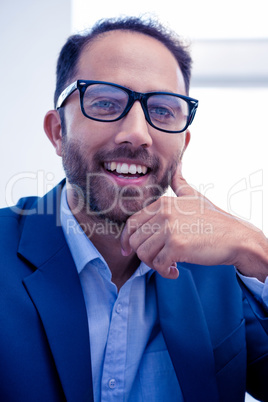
(132, 225)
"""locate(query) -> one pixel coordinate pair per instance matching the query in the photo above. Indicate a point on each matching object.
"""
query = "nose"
(134, 129)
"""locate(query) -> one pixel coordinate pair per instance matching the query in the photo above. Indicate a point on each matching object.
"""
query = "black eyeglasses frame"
(133, 96)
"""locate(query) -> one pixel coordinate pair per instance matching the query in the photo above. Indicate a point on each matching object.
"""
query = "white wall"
(32, 33)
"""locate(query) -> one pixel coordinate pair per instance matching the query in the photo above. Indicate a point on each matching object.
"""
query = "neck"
(121, 267)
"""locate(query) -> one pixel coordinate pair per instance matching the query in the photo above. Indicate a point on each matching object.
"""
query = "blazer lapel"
(55, 290)
(186, 334)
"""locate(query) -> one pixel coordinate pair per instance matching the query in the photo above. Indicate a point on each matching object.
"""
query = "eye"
(102, 106)
(160, 113)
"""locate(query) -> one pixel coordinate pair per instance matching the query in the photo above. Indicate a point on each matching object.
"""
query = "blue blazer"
(215, 332)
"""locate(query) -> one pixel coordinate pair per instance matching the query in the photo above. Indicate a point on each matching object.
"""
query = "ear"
(52, 127)
(186, 141)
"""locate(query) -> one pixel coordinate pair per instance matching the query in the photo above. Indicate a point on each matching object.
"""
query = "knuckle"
(159, 261)
(144, 253)
(182, 246)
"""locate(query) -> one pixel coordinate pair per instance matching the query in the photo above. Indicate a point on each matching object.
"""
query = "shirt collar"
(82, 249)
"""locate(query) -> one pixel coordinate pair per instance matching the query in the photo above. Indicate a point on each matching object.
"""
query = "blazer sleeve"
(256, 316)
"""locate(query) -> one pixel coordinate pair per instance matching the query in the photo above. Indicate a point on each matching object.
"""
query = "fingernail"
(124, 252)
(174, 272)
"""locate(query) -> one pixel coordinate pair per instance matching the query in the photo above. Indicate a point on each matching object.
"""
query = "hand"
(189, 228)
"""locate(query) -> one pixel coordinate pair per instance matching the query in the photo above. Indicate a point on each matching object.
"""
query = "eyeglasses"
(108, 102)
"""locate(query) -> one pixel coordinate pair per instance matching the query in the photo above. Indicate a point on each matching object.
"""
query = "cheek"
(171, 147)
(89, 134)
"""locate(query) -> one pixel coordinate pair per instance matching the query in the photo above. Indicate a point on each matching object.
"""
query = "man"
(107, 291)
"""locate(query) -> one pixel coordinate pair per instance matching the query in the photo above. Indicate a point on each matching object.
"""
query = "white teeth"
(132, 169)
(112, 166)
(124, 168)
(118, 168)
(144, 169)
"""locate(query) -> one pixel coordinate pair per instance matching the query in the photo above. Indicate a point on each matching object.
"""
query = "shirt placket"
(113, 375)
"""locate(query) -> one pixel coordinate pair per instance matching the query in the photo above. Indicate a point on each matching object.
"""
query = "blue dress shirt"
(129, 358)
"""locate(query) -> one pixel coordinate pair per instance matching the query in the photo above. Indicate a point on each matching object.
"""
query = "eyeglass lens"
(107, 103)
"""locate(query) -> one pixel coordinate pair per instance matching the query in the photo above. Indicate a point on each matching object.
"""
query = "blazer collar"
(187, 337)
(55, 290)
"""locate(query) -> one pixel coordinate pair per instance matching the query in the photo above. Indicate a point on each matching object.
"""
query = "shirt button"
(119, 308)
(112, 383)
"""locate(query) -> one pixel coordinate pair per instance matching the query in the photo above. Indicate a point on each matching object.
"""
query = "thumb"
(180, 186)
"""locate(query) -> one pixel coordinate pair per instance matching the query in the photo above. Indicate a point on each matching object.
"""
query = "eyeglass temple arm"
(193, 111)
(67, 92)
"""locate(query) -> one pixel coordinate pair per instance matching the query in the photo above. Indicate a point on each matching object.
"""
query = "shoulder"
(12, 219)
(16, 211)
(24, 207)
(33, 205)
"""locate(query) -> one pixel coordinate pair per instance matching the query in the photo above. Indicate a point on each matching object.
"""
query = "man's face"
(120, 167)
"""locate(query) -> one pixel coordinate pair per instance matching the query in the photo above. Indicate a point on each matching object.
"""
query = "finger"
(169, 272)
(165, 266)
(144, 233)
(181, 188)
(148, 252)
(132, 225)
(149, 248)
(136, 221)
(172, 272)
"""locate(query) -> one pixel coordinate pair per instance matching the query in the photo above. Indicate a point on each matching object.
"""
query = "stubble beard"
(97, 197)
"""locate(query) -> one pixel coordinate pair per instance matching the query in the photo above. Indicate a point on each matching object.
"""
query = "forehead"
(131, 59)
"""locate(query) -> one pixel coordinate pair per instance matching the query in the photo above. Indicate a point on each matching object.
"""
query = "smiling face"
(119, 167)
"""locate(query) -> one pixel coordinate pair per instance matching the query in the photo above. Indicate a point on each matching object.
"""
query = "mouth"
(123, 170)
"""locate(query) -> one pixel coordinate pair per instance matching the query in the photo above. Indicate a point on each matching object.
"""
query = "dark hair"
(71, 51)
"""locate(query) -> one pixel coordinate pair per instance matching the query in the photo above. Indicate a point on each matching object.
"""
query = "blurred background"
(227, 157)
